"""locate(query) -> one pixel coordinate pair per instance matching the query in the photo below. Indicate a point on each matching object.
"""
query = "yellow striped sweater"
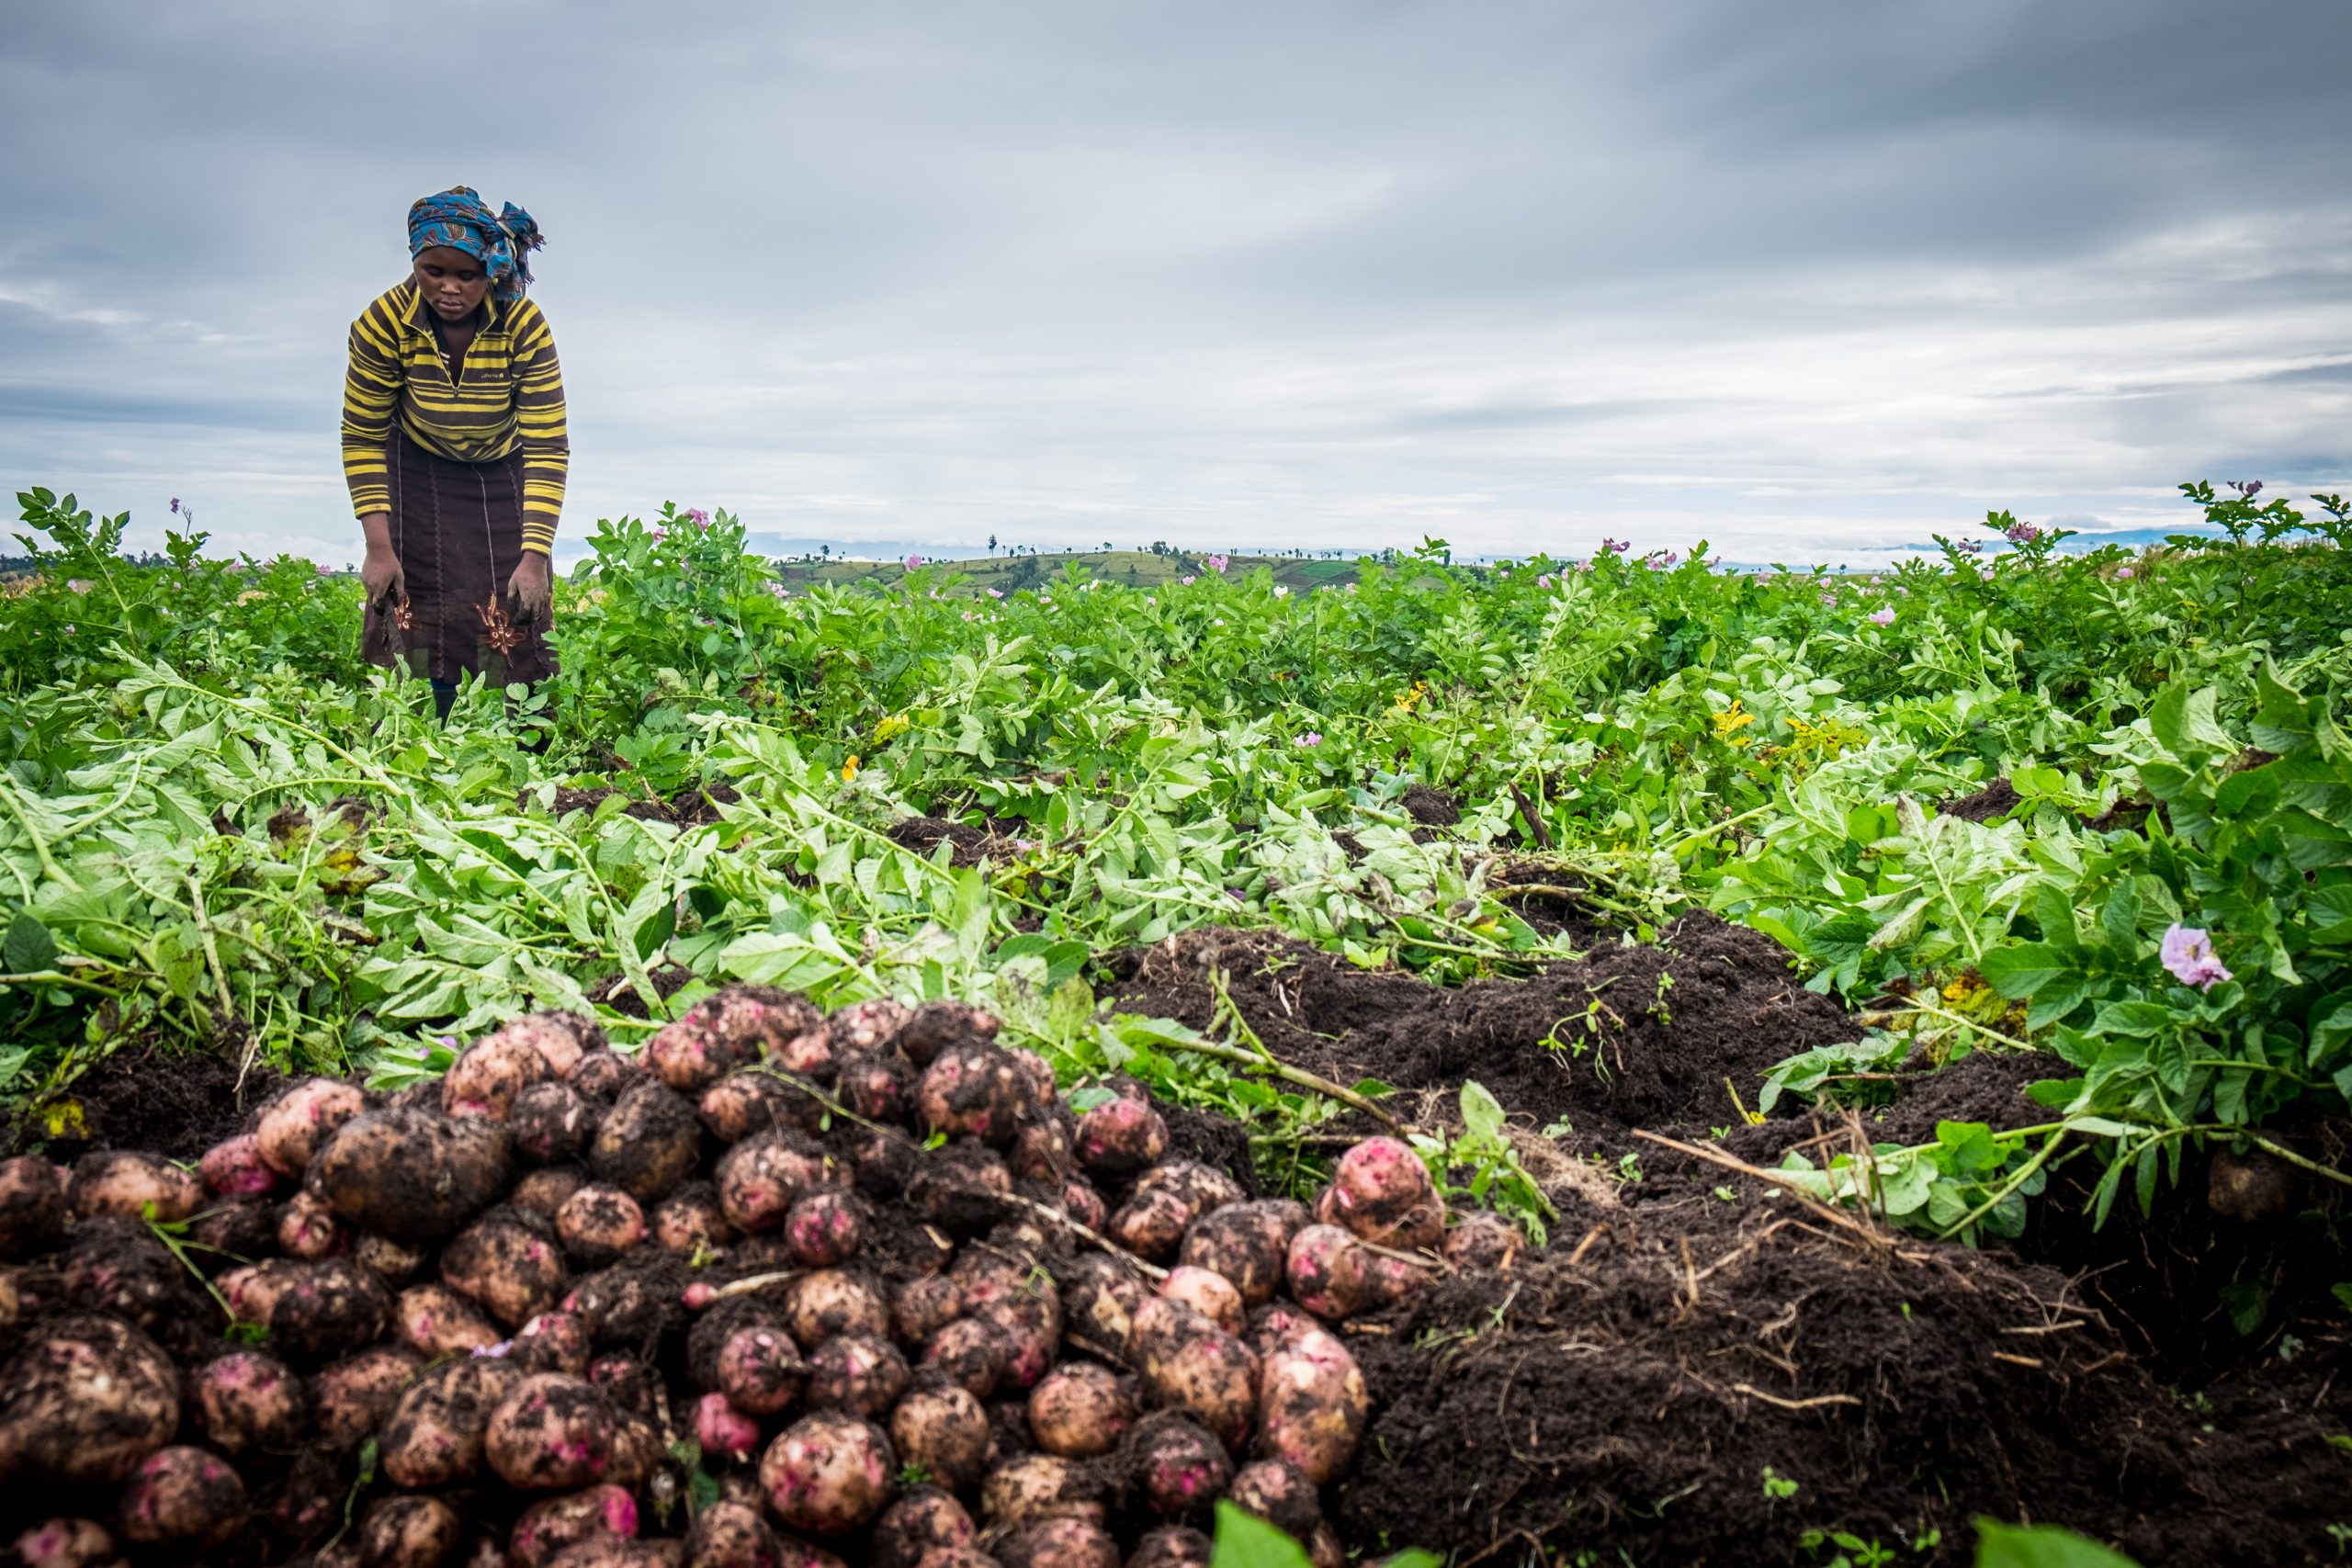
(508, 394)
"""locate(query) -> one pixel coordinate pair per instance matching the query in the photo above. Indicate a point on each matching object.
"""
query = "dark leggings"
(445, 696)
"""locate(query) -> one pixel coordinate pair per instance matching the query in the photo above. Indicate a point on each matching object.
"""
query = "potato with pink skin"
(829, 1472)
(33, 1208)
(553, 1342)
(1188, 1363)
(131, 1186)
(1278, 1493)
(407, 1532)
(760, 1177)
(508, 1262)
(186, 1498)
(973, 1090)
(563, 1038)
(394, 1262)
(944, 1429)
(1121, 1137)
(552, 1433)
(1209, 1294)
(489, 1076)
(744, 1104)
(1040, 1487)
(922, 1307)
(935, 1026)
(723, 1430)
(65, 1543)
(543, 1192)
(1030, 1322)
(867, 1026)
(1382, 1193)
(234, 1168)
(1313, 1405)
(436, 1321)
(82, 1400)
(647, 1144)
(1179, 1468)
(1058, 1543)
(826, 1302)
(690, 1220)
(1332, 1274)
(1278, 1323)
(554, 1525)
(1485, 1242)
(760, 1370)
(247, 1400)
(1100, 1296)
(1080, 1410)
(552, 1124)
(1043, 1148)
(1248, 1243)
(603, 1075)
(299, 1122)
(306, 1228)
(879, 1085)
(1083, 1205)
(862, 1374)
(435, 1435)
(1172, 1546)
(971, 1353)
(1151, 1225)
(825, 1229)
(355, 1396)
(414, 1176)
(925, 1520)
(732, 1535)
(597, 1223)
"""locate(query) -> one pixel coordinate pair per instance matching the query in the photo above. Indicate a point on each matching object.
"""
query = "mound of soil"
(689, 807)
(174, 1104)
(970, 845)
(1992, 803)
(1703, 1387)
(1431, 807)
(1632, 1036)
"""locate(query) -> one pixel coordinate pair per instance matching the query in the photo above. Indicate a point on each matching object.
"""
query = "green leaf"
(1244, 1540)
(1482, 1113)
(2022, 968)
(2040, 1546)
(27, 948)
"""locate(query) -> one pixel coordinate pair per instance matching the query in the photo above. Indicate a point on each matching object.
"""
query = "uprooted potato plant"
(783, 1288)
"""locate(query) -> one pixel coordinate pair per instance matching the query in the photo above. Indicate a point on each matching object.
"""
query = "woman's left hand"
(532, 590)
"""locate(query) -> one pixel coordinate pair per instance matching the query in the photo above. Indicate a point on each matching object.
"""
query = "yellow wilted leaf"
(65, 1119)
(849, 769)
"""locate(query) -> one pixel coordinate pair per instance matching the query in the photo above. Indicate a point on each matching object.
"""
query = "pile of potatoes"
(782, 1291)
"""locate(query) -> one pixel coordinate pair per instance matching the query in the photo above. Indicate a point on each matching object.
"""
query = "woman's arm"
(540, 430)
(371, 393)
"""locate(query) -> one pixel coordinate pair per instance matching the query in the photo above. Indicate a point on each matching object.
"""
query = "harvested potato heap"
(787, 1289)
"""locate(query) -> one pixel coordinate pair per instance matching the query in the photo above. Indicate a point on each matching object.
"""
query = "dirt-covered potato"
(1188, 1363)
(553, 1342)
(127, 1185)
(394, 1262)
(1483, 1241)
(436, 1321)
(1172, 1546)
(829, 1472)
(923, 1305)
(247, 1400)
(1150, 1224)
(33, 1208)
(1040, 1487)
(489, 1076)
(118, 1266)
(2249, 1188)
(942, 1429)
(407, 1532)
(1080, 1410)
(551, 1433)
(632, 1302)
(306, 1228)
(1058, 1543)
(1248, 1243)
(234, 1168)
(298, 1123)
(826, 1302)
(971, 1352)
(597, 1223)
(1382, 1193)
(65, 1543)
(1100, 1295)
(1203, 1188)
(862, 1374)
(1121, 1137)
(311, 1311)
(626, 1382)
(647, 1144)
(1279, 1494)
(603, 1075)
(435, 1435)
(724, 1432)
(187, 1498)
(974, 1090)
(1178, 1468)
(543, 1192)
(962, 1189)
(825, 1229)
(1210, 1293)
(689, 1056)
(690, 1221)
(732, 1535)
(1331, 1273)
(879, 1086)
(411, 1175)
(563, 1038)
(552, 1122)
(1313, 1404)
(507, 1261)
(935, 1026)
(754, 1101)
(922, 1521)
(1030, 1322)
(760, 1178)
(353, 1396)
(82, 1400)
(1083, 1205)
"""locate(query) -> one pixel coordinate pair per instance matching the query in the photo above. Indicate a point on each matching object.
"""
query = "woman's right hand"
(380, 574)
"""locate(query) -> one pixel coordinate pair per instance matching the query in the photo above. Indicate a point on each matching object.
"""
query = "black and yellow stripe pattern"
(508, 394)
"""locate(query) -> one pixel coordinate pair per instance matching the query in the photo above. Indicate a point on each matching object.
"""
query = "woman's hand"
(380, 574)
(532, 590)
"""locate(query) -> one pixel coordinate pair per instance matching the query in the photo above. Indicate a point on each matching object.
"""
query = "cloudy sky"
(1806, 280)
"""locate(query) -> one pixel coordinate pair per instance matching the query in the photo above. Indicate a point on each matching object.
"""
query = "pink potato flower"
(1884, 617)
(1217, 563)
(913, 561)
(2188, 953)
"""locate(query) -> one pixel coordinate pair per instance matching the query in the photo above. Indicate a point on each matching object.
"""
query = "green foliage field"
(218, 829)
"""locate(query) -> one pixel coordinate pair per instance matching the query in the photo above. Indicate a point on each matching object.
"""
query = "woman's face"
(453, 281)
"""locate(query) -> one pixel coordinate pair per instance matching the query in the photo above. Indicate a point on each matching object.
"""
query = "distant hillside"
(1008, 574)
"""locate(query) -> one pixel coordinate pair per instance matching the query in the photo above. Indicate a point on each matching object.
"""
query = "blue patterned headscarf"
(463, 222)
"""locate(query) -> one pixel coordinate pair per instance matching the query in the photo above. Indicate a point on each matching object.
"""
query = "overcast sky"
(1807, 280)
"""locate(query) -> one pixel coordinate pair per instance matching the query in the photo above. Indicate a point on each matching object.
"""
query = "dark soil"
(615, 991)
(1431, 808)
(1995, 801)
(689, 807)
(174, 1104)
(1551, 913)
(971, 845)
(1639, 1035)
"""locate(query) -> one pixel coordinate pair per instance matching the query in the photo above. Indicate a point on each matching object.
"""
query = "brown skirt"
(457, 530)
